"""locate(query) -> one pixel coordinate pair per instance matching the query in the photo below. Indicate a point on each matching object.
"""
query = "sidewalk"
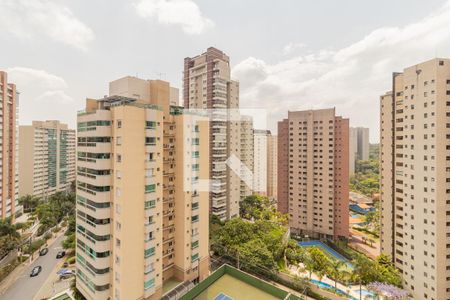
(12, 277)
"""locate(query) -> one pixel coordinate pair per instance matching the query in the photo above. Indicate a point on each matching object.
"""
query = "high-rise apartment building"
(415, 181)
(247, 160)
(142, 207)
(260, 142)
(9, 152)
(359, 146)
(313, 161)
(208, 85)
(47, 158)
(272, 158)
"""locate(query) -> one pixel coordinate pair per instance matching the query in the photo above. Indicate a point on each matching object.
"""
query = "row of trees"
(50, 211)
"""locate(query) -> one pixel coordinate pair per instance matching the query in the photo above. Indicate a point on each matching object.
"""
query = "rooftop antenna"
(160, 75)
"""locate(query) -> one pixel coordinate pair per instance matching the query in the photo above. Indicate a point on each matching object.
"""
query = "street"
(26, 287)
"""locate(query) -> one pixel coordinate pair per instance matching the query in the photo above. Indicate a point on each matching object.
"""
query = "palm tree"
(335, 270)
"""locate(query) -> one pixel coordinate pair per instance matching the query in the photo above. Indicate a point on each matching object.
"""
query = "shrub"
(71, 260)
(48, 236)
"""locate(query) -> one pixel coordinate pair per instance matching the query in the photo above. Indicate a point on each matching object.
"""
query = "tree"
(29, 202)
(364, 272)
(9, 237)
(256, 253)
(320, 262)
(252, 206)
(335, 267)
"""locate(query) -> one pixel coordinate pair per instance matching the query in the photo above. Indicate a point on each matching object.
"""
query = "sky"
(286, 54)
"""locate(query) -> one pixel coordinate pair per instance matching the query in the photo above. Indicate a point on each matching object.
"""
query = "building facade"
(142, 207)
(415, 188)
(313, 160)
(47, 158)
(272, 170)
(208, 86)
(359, 146)
(260, 164)
(9, 150)
(247, 159)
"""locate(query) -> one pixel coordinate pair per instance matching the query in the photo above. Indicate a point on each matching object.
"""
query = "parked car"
(43, 252)
(60, 254)
(65, 273)
(36, 270)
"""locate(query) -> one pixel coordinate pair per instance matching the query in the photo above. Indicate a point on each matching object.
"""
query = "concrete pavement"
(26, 287)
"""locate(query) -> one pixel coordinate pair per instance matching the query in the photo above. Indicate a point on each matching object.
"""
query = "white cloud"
(184, 13)
(43, 96)
(31, 82)
(351, 78)
(29, 19)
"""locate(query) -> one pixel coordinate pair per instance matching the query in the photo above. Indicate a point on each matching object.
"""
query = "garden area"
(259, 242)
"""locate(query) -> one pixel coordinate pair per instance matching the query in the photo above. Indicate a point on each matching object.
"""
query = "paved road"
(26, 287)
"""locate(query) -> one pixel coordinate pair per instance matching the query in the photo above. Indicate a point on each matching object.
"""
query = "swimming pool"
(325, 285)
(325, 248)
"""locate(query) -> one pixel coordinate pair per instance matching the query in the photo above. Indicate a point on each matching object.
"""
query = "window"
(150, 124)
(195, 167)
(194, 245)
(194, 219)
(150, 204)
(195, 141)
(150, 188)
(149, 284)
(194, 257)
(119, 123)
(119, 158)
(150, 141)
(149, 252)
(195, 154)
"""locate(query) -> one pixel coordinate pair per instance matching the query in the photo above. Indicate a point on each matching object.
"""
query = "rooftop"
(228, 283)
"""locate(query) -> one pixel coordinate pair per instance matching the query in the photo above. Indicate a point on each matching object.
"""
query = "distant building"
(313, 172)
(9, 152)
(359, 146)
(247, 159)
(265, 163)
(260, 161)
(272, 159)
(415, 181)
(47, 158)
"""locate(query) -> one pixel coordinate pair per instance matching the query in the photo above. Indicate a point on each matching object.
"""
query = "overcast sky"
(287, 54)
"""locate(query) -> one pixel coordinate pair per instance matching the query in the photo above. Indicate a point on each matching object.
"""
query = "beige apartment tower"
(47, 158)
(142, 204)
(359, 146)
(9, 152)
(313, 173)
(272, 159)
(247, 159)
(260, 142)
(415, 181)
(208, 86)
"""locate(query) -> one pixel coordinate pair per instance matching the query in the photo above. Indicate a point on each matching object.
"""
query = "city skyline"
(266, 73)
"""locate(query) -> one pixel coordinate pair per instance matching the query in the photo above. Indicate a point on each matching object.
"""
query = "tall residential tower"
(208, 86)
(313, 156)
(415, 181)
(142, 208)
(9, 152)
